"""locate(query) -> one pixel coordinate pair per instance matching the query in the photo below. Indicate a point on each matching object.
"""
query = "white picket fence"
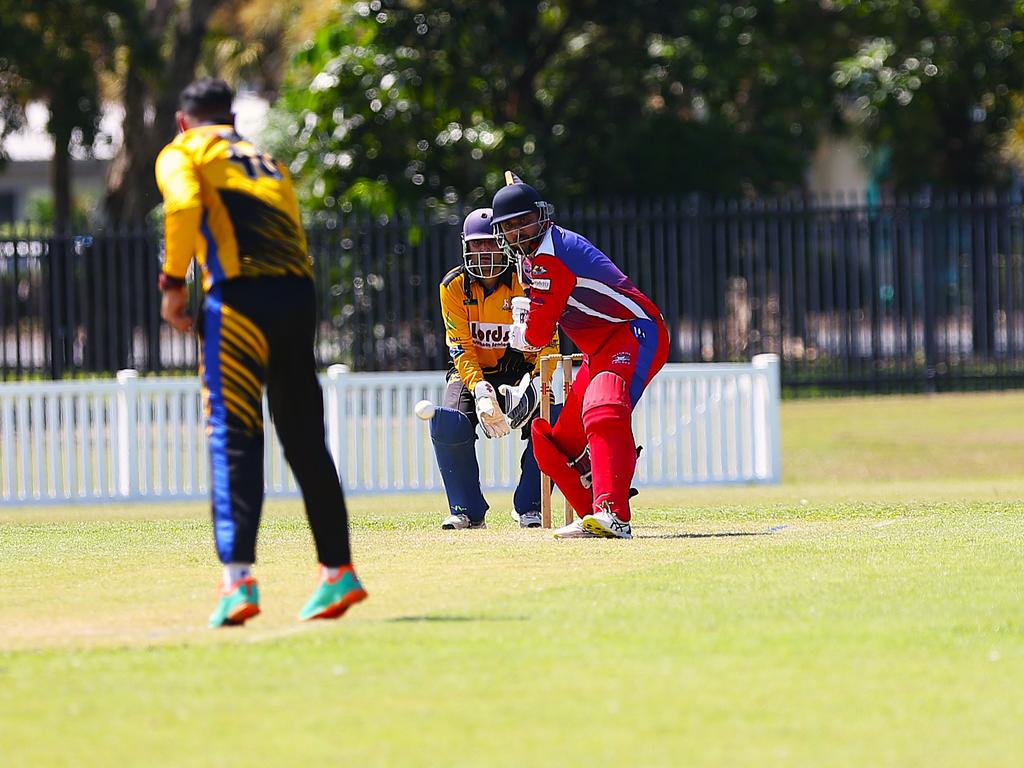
(143, 438)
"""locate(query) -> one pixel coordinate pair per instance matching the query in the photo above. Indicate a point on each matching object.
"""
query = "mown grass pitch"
(868, 611)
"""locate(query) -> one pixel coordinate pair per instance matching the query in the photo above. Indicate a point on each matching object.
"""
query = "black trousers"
(255, 333)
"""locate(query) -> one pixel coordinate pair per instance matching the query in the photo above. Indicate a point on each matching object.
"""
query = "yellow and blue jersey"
(477, 325)
(230, 206)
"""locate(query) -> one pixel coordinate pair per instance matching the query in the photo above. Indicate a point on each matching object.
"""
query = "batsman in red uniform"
(590, 453)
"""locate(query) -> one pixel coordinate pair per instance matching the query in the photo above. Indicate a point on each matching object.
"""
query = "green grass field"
(868, 611)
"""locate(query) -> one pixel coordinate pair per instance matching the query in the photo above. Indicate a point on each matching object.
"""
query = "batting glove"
(517, 339)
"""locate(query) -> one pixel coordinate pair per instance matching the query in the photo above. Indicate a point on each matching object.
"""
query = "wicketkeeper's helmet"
(482, 263)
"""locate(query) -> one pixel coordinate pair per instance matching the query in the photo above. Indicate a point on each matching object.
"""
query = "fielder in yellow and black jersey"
(229, 205)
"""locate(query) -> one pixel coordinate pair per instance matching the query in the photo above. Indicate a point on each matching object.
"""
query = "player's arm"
(463, 352)
(458, 337)
(552, 283)
(178, 180)
(553, 348)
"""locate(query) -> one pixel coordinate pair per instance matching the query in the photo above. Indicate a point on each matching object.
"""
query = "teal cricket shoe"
(333, 597)
(237, 604)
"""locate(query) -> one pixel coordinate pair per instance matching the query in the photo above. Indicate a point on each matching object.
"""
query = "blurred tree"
(394, 102)
(250, 40)
(242, 41)
(13, 86)
(161, 51)
(934, 81)
(737, 95)
(74, 54)
(1013, 149)
(54, 51)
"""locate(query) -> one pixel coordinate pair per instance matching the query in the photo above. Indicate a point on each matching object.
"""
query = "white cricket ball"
(424, 409)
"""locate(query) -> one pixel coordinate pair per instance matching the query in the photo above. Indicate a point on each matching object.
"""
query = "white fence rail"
(143, 438)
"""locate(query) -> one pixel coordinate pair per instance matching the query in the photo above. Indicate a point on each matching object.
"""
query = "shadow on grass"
(713, 535)
(435, 617)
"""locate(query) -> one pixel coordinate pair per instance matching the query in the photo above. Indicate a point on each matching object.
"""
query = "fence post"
(127, 479)
(772, 446)
(928, 260)
(53, 305)
(335, 415)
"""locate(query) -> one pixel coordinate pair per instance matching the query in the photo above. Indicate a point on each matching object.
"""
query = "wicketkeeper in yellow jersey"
(489, 383)
(232, 208)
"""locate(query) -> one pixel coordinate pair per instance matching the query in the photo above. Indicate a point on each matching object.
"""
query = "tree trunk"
(60, 182)
(150, 100)
(131, 186)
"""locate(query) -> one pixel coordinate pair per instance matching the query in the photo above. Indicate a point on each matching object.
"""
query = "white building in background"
(27, 173)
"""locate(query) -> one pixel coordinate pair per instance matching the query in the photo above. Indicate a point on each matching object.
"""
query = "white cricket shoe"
(459, 522)
(607, 525)
(573, 530)
(529, 519)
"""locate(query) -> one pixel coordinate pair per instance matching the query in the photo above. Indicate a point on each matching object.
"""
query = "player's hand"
(517, 339)
(174, 309)
(521, 401)
(488, 412)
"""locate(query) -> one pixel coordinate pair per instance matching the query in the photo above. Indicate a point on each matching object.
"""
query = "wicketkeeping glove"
(488, 412)
(521, 401)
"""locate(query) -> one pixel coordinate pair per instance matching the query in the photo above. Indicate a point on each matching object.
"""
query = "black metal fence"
(917, 294)
(75, 304)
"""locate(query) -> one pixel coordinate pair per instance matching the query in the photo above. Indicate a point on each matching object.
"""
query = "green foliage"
(54, 50)
(934, 80)
(394, 102)
(581, 97)
(41, 212)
